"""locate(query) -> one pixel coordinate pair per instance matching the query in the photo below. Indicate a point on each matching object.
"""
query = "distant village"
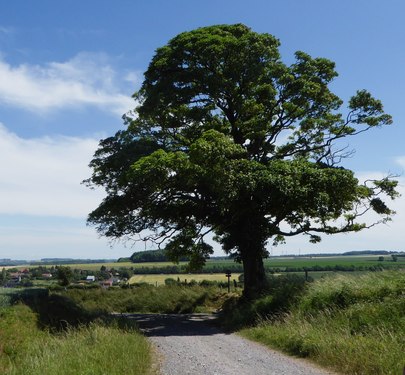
(63, 276)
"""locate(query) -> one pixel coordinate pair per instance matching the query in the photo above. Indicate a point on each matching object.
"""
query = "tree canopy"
(229, 140)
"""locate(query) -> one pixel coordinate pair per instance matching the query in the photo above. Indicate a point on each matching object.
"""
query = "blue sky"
(68, 69)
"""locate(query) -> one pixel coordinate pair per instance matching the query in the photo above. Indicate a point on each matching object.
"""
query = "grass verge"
(355, 325)
(101, 346)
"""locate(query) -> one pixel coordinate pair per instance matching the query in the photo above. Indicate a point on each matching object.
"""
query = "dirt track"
(191, 344)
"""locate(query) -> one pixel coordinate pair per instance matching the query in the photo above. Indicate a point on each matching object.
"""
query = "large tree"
(227, 139)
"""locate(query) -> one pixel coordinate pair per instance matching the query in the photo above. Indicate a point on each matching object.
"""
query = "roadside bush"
(170, 281)
(282, 292)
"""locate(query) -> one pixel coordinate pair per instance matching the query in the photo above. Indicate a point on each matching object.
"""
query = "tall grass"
(100, 347)
(6, 296)
(90, 350)
(355, 325)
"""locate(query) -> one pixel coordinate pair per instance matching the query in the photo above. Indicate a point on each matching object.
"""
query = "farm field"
(160, 279)
(282, 262)
(217, 266)
(331, 261)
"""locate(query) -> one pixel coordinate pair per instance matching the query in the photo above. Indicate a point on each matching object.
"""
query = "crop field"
(280, 263)
(332, 261)
(284, 262)
(160, 279)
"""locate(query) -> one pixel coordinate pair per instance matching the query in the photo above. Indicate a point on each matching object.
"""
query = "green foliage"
(3, 276)
(149, 256)
(152, 256)
(64, 275)
(228, 139)
(281, 293)
(170, 281)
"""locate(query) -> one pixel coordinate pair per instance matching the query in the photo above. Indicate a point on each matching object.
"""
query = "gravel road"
(191, 344)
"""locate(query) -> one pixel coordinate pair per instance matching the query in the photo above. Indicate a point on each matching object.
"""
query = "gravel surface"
(191, 344)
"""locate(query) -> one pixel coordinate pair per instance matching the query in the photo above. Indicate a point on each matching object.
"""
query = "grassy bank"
(354, 324)
(72, 333)
(37, 338)
(150, 299)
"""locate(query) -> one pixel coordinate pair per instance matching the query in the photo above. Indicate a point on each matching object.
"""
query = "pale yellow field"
(160, 279)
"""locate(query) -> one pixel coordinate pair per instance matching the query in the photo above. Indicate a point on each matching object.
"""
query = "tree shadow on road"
(160, 325)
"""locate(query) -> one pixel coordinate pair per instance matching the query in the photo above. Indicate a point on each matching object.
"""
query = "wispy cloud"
(85, 80)
(6, 30)
(42, 176)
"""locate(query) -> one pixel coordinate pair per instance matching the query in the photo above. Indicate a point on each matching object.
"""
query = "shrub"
(170, 281)
(282, 292)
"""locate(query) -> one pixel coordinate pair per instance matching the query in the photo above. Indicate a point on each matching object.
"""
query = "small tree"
(64, 275)
(227, 139)
(3, 276)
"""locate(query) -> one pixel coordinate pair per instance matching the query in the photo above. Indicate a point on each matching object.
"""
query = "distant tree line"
(50, 261)
(152, 256)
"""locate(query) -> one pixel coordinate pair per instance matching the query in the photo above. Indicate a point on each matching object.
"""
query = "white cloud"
(42, 176)
(133, 78)
(85, 80)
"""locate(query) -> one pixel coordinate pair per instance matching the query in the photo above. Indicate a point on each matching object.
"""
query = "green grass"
(284, 262)
(354, 324)
(104, 350)
(149, 299)
(332, 261)
(28, 346)
(5, 296)
(44, 283)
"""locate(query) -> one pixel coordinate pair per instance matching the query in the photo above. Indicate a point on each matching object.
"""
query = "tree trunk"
(253, 273)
